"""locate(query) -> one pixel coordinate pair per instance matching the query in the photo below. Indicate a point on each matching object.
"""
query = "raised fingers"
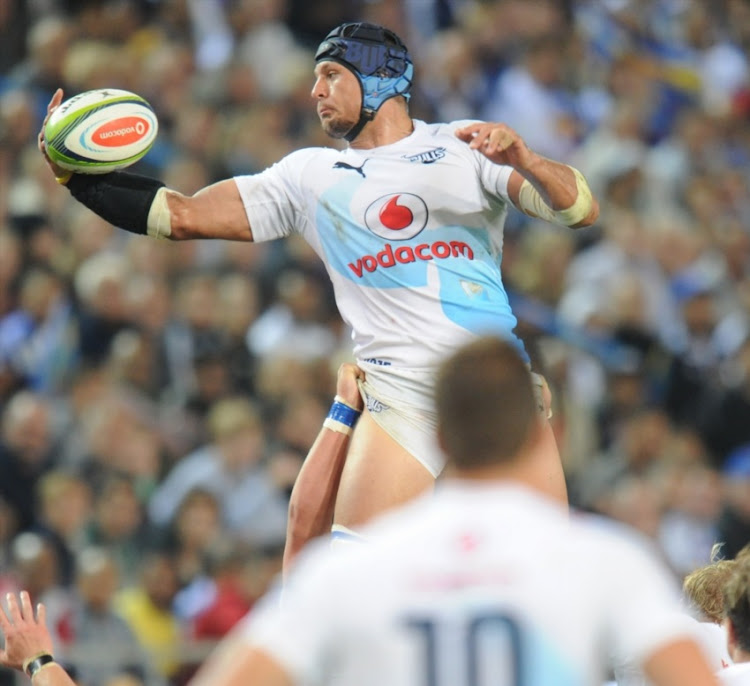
(5, 618)
(14, 613)
(500, 138)
(488, 137)
(27, 610)
(41, 614)
(481, 136)
(54, 103)
(466, 134)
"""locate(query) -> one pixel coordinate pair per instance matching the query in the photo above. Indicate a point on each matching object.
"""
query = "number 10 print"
(484, 640)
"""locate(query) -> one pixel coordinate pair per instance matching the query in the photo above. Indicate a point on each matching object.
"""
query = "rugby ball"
(100, 131)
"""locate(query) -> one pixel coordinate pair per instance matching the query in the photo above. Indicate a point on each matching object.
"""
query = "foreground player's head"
(486, 406)
(703, 588)
(377, 57)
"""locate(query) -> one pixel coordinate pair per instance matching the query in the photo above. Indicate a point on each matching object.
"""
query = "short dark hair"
(485, 403)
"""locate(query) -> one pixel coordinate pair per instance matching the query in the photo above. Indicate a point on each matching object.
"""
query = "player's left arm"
(538, 186)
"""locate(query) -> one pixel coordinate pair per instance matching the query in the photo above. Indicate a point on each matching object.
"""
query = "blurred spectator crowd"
(157, 399)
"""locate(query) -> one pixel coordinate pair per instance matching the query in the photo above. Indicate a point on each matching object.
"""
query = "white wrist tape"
(533, 204)
(159, 223)
(335, 425)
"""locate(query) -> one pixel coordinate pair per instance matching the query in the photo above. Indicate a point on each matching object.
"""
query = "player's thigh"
(379, 474)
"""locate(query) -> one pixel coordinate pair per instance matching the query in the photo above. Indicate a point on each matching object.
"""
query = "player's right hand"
(498, 143)
(347, 386)
(53, 105)
(25, 635)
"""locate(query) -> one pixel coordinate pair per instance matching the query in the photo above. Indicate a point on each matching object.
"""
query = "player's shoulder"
(305, 156)
(446, 125)
(448, 128)
(610, 539)
(299, 166)
(442, 135)
(735, 675)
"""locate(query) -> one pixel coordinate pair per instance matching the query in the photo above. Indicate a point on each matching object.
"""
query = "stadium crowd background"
(156, 399)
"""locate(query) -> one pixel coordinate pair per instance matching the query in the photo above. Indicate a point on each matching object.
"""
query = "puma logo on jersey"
(427, 157)
(346, 165)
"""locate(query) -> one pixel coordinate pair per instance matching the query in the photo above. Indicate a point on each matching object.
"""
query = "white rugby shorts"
(401, 403)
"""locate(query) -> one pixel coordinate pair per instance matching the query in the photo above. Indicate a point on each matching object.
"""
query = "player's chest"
(426, 180)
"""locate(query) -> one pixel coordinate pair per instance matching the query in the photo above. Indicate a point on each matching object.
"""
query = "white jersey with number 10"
(473, 586)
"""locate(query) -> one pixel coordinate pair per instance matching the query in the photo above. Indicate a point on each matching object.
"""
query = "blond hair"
(703, 588)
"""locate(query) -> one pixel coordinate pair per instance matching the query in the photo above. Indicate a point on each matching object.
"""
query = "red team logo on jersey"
(398, 217)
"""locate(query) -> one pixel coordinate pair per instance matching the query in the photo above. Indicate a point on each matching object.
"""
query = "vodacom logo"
(397, 217)
(121, 132)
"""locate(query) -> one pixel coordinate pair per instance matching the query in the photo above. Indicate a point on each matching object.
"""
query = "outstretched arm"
(538, 186)
(142, 205)
(314, 494)
(28, 645)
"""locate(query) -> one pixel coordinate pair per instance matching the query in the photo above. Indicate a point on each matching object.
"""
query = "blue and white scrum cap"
(378, 58)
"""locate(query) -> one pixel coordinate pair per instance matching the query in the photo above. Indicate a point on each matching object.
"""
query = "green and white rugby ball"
(100, 131)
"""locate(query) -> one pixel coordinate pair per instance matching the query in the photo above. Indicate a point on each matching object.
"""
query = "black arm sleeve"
(122, 199)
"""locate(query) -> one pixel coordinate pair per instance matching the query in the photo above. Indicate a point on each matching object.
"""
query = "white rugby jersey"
(475, 585)
(737, 674)
(411, 234)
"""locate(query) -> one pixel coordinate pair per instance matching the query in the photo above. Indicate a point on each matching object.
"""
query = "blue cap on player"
(378, 58)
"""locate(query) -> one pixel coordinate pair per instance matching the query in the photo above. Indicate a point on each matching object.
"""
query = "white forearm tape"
(159, 224)
(532, 203)
(339, 427)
